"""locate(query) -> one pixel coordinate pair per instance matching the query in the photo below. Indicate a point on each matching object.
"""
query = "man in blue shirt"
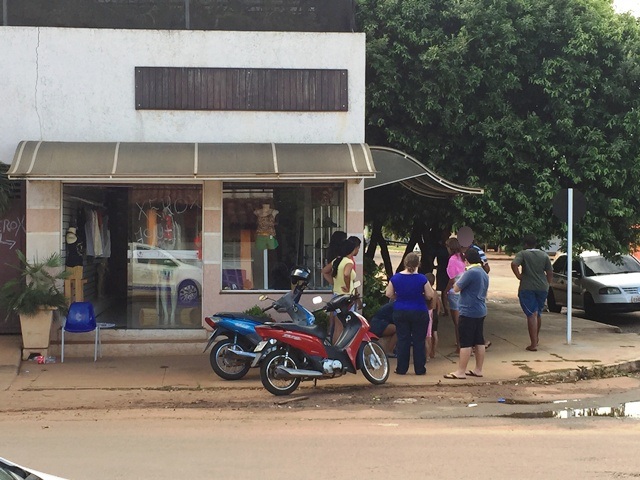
(382, 326)
(473, 286)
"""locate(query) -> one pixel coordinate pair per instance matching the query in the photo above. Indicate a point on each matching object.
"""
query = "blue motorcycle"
(232, 355)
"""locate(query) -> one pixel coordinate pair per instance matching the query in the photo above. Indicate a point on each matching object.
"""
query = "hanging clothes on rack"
(88, 232)
(97, 235)
(106, 237)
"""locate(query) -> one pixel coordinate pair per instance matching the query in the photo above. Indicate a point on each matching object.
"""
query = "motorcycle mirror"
(262, 298)
(356, 284)
(317, 300)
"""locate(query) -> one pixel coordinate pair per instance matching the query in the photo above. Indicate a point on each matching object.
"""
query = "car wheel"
(590, 308)
(551, 303)
(188, 292)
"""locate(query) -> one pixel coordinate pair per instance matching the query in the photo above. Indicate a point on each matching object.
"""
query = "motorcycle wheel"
(224, 368)
(268, 375)
(374, 363)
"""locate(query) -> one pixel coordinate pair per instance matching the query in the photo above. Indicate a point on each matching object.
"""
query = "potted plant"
(34, 295)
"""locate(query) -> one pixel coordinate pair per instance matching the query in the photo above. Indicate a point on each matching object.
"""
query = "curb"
(586, 373)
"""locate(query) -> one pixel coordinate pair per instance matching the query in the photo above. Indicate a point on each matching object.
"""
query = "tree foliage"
(520, 97)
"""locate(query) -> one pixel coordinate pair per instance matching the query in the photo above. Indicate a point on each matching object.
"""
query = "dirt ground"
(401, 399)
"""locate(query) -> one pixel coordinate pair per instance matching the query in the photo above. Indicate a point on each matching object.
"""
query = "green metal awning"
(170, 162)
(395, 166)
(122, 161)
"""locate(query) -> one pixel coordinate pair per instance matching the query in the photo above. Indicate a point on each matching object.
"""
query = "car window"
(599, 265)
(588, 272)
(560, 265)
(576, 268)
(7, 475)
(11, 472)
(153, 256)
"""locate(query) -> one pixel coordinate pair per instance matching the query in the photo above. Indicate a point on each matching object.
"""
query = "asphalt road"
(322, 444)
(628, 322)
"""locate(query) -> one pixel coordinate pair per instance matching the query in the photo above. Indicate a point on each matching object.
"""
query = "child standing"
(432, 329)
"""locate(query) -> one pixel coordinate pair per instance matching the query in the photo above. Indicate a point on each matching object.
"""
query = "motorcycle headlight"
(609, 291)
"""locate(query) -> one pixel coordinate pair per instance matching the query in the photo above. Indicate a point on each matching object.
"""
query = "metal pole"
(569, 261)
(187, 15)
(5, 13)
(265, 273)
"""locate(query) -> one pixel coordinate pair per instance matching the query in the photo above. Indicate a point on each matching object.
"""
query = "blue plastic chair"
(81, 319)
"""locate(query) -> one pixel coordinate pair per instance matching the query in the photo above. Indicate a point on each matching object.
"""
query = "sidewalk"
(594, 345)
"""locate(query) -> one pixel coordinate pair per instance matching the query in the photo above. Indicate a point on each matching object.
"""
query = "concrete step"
(129, 342)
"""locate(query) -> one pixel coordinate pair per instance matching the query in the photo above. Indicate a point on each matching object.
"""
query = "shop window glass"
(164, 257)
(269, 229)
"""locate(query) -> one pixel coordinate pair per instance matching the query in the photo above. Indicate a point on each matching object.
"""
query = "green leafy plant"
(36, 287)
(374, 285)
(322, 319)
(257, 311)
(487, 113)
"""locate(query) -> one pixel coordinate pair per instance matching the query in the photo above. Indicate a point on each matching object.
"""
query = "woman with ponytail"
(413, 297)
(341, 275)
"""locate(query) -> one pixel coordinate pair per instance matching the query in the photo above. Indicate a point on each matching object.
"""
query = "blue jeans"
(411, 328)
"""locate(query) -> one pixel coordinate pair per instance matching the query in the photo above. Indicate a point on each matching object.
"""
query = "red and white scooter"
(298, 352)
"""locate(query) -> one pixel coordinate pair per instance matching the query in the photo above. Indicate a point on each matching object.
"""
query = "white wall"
(62, 84)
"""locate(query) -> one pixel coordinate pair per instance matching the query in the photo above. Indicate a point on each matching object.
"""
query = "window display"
(269, 229)
(164, 256)
(135, 253)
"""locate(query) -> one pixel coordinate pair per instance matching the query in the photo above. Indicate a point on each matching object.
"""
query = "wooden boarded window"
(258, 89)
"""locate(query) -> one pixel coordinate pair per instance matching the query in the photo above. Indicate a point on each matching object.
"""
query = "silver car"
(598, 285)
(152, 268)
(13, 471)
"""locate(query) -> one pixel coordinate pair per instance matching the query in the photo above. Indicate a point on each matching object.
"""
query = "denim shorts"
(454, 300)
(532, 301)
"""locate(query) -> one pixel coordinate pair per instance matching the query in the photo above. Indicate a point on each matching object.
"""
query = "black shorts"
(434, 321)
(442, 279)
(471, 331)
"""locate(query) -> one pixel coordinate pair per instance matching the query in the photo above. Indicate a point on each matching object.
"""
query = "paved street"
(336, 444)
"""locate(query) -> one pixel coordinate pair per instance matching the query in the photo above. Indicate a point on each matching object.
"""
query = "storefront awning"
(395, 166)
(80, 161)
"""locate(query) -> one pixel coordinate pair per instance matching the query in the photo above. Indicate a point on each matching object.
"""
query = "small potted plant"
(34, 295)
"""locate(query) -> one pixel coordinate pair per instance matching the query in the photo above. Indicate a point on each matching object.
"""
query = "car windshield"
(599, 265)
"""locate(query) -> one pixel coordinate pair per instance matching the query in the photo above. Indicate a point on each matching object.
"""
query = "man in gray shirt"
(533, 268)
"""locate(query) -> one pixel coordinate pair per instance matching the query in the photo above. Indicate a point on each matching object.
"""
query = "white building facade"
(136, 139)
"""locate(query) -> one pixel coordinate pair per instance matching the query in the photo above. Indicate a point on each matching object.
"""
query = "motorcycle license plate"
(635, 299)
(260, 346)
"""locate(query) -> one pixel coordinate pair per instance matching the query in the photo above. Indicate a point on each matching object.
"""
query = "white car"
(13, 471)
(153, 269)
(598, 285)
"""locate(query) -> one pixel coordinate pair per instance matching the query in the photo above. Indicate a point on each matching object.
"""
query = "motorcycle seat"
(315, 330)
(243, 316)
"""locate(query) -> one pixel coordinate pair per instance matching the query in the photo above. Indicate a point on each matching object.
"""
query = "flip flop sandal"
(453, 376)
